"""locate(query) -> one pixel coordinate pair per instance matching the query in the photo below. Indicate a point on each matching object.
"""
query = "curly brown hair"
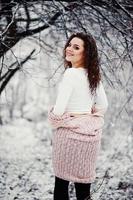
(91, 59)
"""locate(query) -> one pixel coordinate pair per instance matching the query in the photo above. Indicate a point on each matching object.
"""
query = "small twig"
(12, 21)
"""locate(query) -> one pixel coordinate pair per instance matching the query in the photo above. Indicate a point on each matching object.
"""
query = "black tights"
(61, 190)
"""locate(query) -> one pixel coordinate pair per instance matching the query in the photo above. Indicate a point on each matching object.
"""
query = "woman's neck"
(78, 65)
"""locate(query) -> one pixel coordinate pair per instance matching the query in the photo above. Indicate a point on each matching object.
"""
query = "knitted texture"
(75, 145)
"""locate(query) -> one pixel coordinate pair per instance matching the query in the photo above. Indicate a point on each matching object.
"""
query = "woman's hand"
(93, 109)
(97, 111)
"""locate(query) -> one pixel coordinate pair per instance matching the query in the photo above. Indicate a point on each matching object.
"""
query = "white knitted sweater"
(74, 94)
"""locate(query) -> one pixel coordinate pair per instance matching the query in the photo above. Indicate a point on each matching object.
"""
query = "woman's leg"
(82, 191)
(61, 189)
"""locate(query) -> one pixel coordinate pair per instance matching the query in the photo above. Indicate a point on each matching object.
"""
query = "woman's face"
(75, 52)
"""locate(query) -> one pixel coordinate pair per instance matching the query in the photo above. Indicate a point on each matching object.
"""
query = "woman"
(78, 118)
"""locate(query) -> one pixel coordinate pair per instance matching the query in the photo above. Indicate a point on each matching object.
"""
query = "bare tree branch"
(8, 75)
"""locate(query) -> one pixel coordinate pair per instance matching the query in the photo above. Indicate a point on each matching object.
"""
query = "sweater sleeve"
(64, 92)
(100, 100)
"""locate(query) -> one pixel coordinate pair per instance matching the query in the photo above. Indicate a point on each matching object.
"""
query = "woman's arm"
(64, 92)
(100, 101)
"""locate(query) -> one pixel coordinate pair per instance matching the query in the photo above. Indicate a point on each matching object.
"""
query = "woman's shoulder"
(68, 76)
(75, 71)
(70, 72)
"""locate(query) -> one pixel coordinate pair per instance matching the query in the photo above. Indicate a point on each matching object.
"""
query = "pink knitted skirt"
(74, 156)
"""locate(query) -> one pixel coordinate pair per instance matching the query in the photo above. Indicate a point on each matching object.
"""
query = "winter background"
(25, 133)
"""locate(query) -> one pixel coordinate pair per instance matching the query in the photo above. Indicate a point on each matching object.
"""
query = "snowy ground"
(25, 162)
